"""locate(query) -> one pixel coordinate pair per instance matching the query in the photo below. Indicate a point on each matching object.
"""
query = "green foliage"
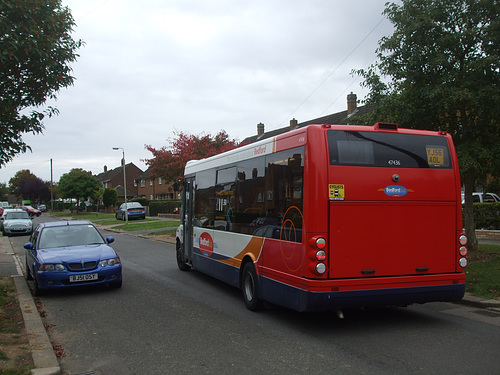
(15, 182)
(4, 190)
(79, 184)
(35, 51)
(164, 207)
(109, 197)
(487, 215)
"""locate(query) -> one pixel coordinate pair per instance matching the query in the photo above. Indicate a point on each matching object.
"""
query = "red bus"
(328, 217)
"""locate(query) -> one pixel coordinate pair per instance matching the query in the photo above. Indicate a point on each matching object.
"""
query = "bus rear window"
(370, 149)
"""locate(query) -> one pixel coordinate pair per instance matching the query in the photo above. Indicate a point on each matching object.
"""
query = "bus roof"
(268, 145)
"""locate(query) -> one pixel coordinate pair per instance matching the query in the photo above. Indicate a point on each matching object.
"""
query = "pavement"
(44, 357)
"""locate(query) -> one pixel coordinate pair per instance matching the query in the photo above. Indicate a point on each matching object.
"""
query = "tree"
(440, 70)
(169, 163)
(79, 184)
(35, 51)
(16, 181)
(3, 191)
(35, 189)
(109, 197)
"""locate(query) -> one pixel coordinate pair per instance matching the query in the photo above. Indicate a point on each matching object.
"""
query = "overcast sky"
(151, 68)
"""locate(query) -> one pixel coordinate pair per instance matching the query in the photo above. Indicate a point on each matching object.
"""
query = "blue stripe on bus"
(214, 268)
(301, 300)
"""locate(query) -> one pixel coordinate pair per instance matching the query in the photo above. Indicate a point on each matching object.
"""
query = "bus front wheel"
(249, 288)
(183, 266)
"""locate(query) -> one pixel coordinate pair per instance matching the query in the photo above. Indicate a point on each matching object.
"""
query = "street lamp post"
(124, 182)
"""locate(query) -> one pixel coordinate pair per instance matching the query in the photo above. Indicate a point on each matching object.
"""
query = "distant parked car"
(16, 222)
(134, 210)
(483, 198)
(42, 207)
(31, 211)
(65, 254)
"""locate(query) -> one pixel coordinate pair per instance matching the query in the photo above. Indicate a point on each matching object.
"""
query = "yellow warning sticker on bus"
(435, 155)
(336, 192)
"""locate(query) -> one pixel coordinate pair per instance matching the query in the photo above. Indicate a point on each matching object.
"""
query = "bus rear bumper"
(300, 299)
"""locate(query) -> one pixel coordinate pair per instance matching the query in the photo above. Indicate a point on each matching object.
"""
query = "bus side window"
(204, 206)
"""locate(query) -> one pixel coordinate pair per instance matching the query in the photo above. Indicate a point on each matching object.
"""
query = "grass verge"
(483, 272)
(15, 356)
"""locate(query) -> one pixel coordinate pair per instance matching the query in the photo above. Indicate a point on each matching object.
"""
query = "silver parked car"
(16, 222)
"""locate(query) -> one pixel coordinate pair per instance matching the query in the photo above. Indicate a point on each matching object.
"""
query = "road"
(164, 321)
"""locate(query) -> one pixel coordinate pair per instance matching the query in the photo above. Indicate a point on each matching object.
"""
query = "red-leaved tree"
(169, 162)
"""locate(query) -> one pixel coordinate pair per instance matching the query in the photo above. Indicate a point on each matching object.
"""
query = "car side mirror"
(28, 246)
(110, 240)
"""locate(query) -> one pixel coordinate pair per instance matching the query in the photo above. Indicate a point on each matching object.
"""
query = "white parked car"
(483, 197)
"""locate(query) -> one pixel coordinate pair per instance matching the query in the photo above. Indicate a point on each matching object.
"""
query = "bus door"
(188, 218)
(393, 204)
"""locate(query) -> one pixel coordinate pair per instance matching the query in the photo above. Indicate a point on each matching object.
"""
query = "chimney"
(293, 124)
(105, 168)
(260, 129)
(351, 103)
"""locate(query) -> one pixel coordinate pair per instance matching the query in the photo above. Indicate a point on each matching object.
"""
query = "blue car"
(134, 210)
(66, 254)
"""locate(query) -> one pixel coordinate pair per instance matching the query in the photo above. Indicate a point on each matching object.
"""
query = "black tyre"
(249, 288)
(37, 291)
(116, 285)
(29, 276)
(183, 266)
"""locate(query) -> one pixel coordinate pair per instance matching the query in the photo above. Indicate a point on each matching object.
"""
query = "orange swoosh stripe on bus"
(254, 247)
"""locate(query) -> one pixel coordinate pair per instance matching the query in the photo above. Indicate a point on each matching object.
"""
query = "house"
(339, 118)
(114, 179)
(155, 188)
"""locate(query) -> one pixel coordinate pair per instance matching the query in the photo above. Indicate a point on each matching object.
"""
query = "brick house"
(114, 179)
(155, 188)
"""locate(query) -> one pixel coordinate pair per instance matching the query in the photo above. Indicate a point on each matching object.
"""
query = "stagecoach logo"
(260, 150)
(206, 244)
(396, 191)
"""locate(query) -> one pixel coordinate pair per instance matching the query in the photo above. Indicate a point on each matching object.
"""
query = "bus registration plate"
(435, 155)
(85, 277)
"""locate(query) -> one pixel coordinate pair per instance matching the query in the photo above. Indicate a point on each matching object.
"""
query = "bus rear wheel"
(249, 288)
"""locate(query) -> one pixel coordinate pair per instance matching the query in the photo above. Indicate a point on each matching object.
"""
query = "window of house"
(151, 182)
(159, 180)
(143, 183)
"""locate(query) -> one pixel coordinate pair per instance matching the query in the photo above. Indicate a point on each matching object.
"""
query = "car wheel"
(116, 285)
(249, 288)
(29, 276)
(37, 291)
(183, 266)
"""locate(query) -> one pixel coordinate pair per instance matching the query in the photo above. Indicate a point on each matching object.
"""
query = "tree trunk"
(469, 222)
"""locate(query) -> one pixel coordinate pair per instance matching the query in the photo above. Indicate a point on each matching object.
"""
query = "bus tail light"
(463, 240)
(318, 255)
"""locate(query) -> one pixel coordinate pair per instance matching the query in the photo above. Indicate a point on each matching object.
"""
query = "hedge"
(164, 207)
(487, 215)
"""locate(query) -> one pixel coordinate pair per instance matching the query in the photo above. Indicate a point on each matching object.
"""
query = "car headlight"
(51, 267)
(109, 262)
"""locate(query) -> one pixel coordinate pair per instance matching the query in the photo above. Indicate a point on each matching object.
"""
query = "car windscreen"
(17, 216)
(134, 205)
(371, 149)
(69, 235)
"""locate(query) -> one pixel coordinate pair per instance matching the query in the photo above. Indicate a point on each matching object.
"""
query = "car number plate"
(85, 277)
